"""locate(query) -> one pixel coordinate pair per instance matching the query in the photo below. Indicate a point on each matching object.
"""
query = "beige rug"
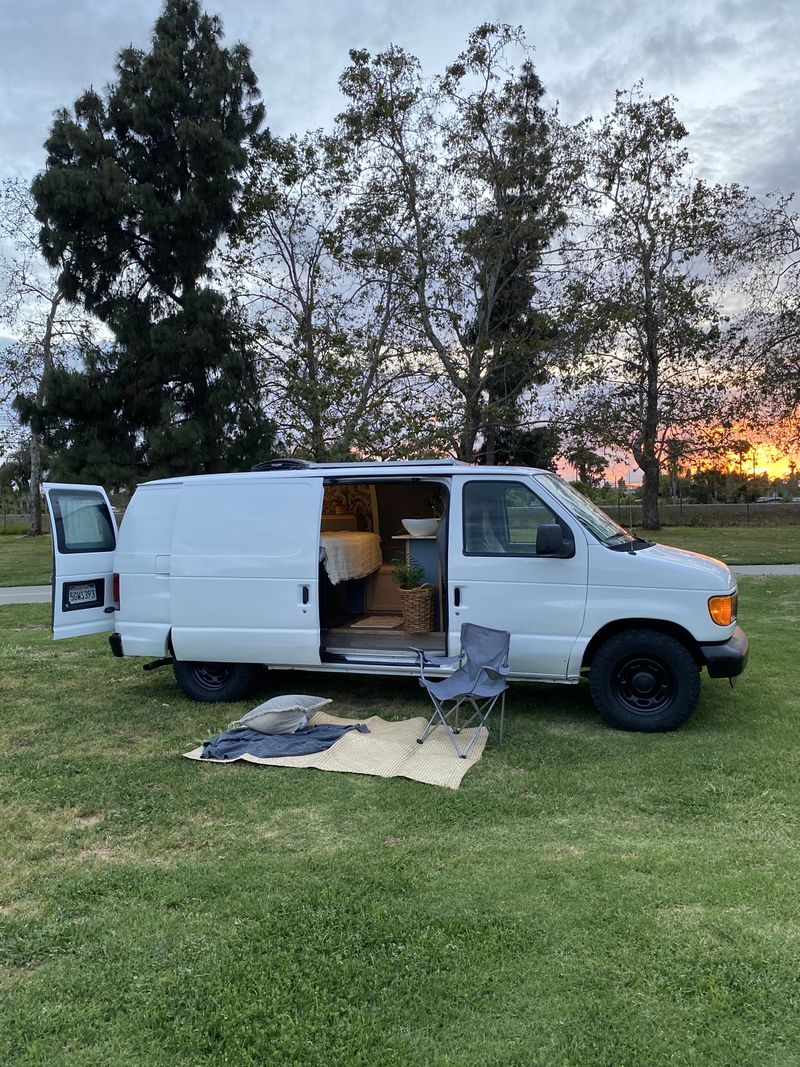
(389, 750)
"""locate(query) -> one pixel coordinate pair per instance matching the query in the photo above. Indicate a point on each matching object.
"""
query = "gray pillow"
(282, 715)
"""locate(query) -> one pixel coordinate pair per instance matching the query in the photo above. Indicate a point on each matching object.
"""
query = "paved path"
(25, 594)
(40, 594)
(766, 568)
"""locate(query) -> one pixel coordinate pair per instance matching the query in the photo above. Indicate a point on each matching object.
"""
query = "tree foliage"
(139, 187)
(764, 260)
(536, 447)
(48, 333)
(645, 307)
(459, 197)
(589, 465)
(326, 320)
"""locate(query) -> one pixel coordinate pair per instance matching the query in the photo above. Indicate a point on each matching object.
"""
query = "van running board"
(367, 659)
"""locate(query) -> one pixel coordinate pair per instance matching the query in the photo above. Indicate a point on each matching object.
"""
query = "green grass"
(588, 897)
(735, 544)
(25, 560)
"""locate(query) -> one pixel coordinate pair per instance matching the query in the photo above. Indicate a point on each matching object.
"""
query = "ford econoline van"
(290, 566)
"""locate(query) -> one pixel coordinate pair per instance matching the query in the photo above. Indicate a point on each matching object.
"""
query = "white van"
(289, 566)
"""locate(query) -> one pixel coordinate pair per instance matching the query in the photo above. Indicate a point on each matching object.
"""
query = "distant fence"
(710, 514)
(629, 515)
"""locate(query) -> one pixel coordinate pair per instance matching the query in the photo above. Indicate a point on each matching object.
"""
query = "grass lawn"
(735, 544)
(588, 897)
(25, 560)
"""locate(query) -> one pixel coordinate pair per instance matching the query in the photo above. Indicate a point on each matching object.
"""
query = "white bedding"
(349, 555)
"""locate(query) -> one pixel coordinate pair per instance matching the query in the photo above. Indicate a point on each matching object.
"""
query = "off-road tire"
(644, 680)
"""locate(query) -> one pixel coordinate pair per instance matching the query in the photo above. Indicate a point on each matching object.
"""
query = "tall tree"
(47, 330)
(589, 465)
(766, 255)
(139, 188)
(460, 197)
(647, 309)
(325, 319)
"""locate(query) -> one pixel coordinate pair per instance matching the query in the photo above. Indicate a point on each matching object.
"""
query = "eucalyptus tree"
(766, 268)
(648, 325)
(459, 196)
(139, 188)
(326, 319)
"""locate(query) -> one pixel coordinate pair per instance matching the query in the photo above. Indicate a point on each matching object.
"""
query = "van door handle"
(305, 594)
(457, 597)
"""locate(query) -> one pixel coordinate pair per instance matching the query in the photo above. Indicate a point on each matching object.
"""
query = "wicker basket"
(417, 605)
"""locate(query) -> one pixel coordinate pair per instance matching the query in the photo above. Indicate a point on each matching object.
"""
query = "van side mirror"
(550, 541)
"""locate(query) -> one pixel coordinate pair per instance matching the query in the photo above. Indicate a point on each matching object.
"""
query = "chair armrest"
(421, 653)
(433, 661)
(496, 672)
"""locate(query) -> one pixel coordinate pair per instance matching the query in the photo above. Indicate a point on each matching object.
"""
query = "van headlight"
(722, 609)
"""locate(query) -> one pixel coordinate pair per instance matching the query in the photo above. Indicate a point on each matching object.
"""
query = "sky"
(732, 64)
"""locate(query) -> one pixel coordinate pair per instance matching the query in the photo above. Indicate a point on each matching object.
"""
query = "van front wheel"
(644, 680)
(213, 683)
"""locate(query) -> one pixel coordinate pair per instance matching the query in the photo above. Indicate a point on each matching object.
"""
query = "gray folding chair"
(479, 682)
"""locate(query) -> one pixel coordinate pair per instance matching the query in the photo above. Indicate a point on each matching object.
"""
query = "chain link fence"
(778, 514)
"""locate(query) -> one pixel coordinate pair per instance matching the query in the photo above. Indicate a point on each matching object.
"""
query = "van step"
(366, 657)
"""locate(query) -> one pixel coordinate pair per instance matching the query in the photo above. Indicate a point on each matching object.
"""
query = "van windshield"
(588, 514)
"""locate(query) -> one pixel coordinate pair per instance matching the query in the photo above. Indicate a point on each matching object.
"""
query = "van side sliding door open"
(84, 534)
(244, 571)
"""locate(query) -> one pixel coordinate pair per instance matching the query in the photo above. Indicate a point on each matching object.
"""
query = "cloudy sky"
(731, 63)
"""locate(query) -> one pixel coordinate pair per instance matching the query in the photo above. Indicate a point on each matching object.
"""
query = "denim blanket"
(231, 744)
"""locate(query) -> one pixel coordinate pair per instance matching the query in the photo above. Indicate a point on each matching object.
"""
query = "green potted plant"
(416, 596)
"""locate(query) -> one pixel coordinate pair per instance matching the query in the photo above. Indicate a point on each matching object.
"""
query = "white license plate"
(82, 594)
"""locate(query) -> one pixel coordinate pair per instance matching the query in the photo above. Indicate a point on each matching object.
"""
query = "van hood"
(662, 567)
(700, 570)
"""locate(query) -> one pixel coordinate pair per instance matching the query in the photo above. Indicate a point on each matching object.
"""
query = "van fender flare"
(584, 648)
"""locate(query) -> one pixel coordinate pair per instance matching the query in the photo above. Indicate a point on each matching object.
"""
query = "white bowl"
(421, 527)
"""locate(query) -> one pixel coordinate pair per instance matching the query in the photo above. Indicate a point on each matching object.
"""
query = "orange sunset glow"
(755, 454)
(762, 460)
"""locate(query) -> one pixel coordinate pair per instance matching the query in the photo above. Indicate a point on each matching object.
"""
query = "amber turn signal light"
(722, 609)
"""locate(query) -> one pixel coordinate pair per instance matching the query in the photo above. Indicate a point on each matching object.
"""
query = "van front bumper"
(728, 659)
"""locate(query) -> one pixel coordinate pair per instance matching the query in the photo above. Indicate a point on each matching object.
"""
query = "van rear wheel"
(213, 683)
(644, 680)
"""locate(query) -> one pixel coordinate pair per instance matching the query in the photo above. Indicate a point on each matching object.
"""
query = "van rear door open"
(84, 535)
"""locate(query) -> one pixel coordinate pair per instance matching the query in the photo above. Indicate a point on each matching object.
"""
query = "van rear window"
(83, 522)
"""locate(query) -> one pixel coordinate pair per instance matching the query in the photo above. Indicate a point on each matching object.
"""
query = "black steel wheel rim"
(644, 684)
(212, 675)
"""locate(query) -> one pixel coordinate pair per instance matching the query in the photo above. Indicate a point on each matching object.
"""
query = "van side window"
(502, 518)
(83, 523)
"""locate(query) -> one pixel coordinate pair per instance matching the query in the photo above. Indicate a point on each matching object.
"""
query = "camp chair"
(479, 682)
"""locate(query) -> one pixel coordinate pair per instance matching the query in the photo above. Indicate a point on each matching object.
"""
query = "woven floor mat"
(378, 622)
(389, 750)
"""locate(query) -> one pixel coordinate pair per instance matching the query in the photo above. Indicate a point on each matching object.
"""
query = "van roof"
(363, 468)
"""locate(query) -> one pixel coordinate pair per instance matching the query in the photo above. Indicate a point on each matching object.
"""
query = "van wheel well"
(658, 625)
